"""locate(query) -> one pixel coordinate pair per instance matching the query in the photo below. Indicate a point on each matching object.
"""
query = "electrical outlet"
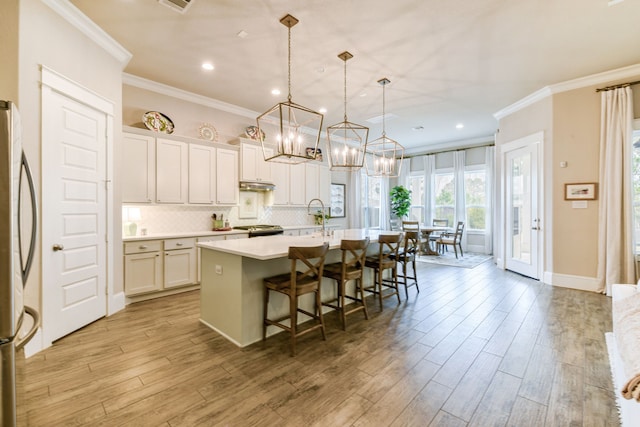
(218, 269)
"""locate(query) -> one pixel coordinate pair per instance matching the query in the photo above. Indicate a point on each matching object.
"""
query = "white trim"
(86, 26)
(142, 83)
(115, 302)
(73, 90)
(582, 283)
(35, 344)
(591, 80)
(452, 145)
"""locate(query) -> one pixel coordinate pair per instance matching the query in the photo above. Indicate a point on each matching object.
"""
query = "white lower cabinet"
(142, 267)
(179, 262)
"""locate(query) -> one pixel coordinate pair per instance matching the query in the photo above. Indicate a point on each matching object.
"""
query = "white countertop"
(206, 233)
(271, 247)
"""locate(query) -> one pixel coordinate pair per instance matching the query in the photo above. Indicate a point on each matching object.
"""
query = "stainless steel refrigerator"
(18, 323)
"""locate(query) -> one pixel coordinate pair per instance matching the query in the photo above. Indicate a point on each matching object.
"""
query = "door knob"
(58, 247)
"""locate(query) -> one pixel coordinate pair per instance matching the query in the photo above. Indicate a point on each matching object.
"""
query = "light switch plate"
(218, 269)
(579, 204)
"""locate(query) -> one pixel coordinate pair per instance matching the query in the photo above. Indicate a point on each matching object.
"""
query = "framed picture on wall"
(248, 207)
(582, 191)
(337, 209)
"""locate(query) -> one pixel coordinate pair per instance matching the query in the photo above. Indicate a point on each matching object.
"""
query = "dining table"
(426, 234)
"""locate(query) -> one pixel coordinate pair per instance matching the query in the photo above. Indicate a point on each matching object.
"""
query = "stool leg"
(264, 321)
(395, 281)
(360, 286)
(293, 310)
(341, 291)
(380, 271)
(415, 274)
(319, 314)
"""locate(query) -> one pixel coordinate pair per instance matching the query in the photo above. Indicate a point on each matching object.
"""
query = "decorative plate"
(208, 132)
(252, 133)
(158, 122)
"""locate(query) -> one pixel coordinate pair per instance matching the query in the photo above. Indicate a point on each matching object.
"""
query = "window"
(416, 186)
(370, 192)
(636, 188)
(445, 193)
(475, 199)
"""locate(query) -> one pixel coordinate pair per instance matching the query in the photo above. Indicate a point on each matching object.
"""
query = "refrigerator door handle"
(22, 341)
(34, 220)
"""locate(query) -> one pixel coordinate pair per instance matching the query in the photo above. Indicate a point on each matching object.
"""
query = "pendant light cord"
(289, 65)
(383, 114)
(345, 90)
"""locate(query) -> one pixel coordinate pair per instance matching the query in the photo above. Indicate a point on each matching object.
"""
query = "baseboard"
(34, 345)
(153, 295)
(116, 303)
(581, 283)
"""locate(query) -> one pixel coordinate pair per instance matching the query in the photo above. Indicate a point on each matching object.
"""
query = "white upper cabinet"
(280, 176)
(312, 183)
(172, 162)
(138, 168)
(253, 167)
(227, 177)
(202, 174)
(325, 185)
(297, 185)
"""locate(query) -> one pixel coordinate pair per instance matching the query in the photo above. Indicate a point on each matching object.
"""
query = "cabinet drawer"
(142, 247)
(172, 244)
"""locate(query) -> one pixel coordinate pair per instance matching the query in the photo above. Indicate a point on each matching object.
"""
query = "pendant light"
(347, 141)
(385, 154)
(289, 132)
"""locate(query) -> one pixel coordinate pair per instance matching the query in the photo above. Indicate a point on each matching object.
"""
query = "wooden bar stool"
(295, 284)
(351, 267)
(407, 256)
(385, 260)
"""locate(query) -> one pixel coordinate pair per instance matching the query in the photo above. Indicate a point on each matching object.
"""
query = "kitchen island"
(231, 291)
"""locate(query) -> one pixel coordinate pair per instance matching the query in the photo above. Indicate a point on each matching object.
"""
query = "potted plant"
(400, 201)
(318, 217)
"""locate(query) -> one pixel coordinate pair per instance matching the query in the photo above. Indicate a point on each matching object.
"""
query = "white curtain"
(429, 194)
(385, 204)
(405, 171)
(461, 206)
(616, 260)
(353, 200)
(489, 161)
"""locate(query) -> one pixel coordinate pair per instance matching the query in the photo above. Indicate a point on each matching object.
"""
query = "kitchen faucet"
(323, 217)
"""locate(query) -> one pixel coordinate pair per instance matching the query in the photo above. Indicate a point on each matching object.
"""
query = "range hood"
(256, 186)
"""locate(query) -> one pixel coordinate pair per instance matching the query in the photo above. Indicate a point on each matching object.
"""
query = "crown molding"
(450, 145)
(142, 83)
(86, 26)
(606, 77)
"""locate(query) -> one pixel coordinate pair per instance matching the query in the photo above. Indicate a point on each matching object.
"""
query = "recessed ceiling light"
(459, 126)
(322, 110)
(207, 66)
(242, 34)
(275, 91)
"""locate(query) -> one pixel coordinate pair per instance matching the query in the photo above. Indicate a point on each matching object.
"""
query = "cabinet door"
(264, 168)
(179, 267)
(171, 171)
(248, 162)
(312, 183)
(280, 176)
(297, 185)
(324, 185)
(202, 174)
(142, 273)
(138, 169)
(227, 177)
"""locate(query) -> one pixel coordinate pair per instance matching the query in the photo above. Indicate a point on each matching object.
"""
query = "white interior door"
(73, 215)
(522, 220)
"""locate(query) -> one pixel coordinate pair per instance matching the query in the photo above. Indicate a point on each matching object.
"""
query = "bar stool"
(408, 255)
(385, 260)
(295, 284)
(351, 267)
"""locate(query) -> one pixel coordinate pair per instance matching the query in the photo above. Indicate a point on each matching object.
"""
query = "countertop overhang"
(272, 247)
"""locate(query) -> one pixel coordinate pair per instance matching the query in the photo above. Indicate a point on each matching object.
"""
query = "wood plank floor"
(476, 347)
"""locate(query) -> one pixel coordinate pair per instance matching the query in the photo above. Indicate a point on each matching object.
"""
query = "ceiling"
(449, 62)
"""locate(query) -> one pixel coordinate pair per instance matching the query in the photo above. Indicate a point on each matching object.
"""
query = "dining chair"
(452, 239)
(295, 284)
(350, 268)
(389, 245)
(415, 226)
(435, 235)
(407, 256)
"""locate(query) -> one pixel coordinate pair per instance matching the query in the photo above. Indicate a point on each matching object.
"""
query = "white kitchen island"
(231, 291)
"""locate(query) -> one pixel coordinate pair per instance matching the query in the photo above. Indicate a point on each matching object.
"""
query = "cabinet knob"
(143, 247)
(179, 244)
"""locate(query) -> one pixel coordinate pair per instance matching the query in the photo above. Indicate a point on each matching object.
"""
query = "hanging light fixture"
(385, 154)
(347, 141)
(289, 132)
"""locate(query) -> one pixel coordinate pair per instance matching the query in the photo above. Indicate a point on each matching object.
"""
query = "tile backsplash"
(191, 218)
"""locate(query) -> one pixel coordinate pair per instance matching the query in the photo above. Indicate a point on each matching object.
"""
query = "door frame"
(54, 82)
(500, 220)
